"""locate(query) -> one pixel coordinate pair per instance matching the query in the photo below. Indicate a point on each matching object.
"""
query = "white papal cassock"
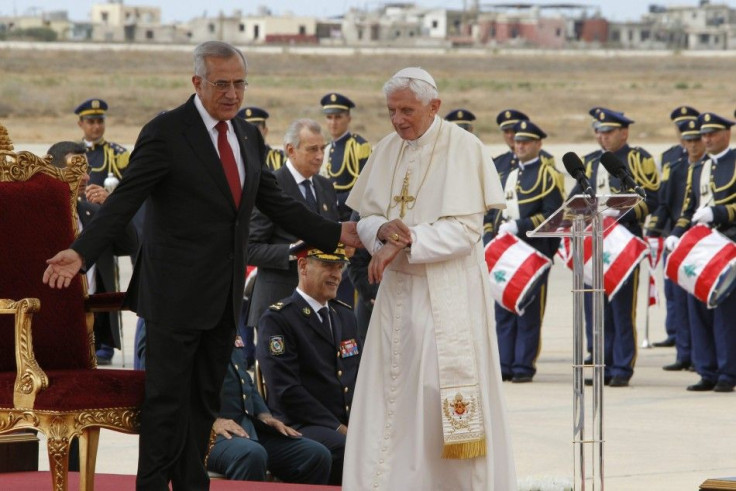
(437, 289)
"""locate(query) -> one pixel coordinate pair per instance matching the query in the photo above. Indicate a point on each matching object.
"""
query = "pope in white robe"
(428, 412)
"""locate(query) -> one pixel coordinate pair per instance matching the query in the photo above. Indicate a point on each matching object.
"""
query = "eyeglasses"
(223, 86)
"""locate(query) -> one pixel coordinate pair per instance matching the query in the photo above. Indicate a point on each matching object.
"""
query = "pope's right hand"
(62, 268)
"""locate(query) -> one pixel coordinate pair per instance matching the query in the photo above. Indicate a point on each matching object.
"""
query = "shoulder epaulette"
(280, 304)
(338, 301)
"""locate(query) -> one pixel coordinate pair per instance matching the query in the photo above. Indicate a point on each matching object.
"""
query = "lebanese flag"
(622, 252)
(514, 268)
(700, 260)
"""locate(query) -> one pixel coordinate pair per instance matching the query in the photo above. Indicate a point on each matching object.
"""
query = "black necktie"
(309, 195)
(324, 314)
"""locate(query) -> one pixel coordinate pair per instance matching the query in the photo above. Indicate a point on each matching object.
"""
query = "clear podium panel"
(560, 223)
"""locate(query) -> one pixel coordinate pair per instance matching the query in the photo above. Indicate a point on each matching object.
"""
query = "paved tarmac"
(658, 436)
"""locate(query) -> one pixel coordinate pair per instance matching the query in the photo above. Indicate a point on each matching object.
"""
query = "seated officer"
(275, 158)
(310, 388)
(250, 439)
(461, 117)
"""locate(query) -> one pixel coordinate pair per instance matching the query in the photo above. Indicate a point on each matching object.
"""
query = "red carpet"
(39, 481)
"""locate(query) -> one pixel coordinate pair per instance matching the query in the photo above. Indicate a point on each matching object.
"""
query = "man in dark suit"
(250, 440)
(269, 244)
(309, 388)
(202, 171)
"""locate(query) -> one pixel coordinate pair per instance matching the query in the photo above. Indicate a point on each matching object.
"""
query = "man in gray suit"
(271, 248)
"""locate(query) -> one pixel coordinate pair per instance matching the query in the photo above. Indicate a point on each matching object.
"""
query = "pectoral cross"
(404, 198)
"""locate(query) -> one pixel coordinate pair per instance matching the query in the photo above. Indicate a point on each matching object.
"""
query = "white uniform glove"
(610, 212)
(509, 227)
(671, 242)
(703, 215)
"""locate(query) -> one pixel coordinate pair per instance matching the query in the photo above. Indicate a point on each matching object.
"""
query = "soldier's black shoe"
(723, 387)
(702, 386)
(606, 381)
(619, 382)
(521, 379)
(506, 377)
(677, 366)
(667, 343)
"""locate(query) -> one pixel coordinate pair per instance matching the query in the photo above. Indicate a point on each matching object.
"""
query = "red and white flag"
(622, 252)
(703, 264)
(514, 268)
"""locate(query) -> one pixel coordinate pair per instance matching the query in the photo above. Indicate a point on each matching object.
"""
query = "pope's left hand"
(509, 227)
(703, 215)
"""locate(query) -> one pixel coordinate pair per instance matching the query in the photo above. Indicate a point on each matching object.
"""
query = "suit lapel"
(313, 319)
(336, 326)
(251, 162)
(197, 135)
(320, 192)
(289, 185)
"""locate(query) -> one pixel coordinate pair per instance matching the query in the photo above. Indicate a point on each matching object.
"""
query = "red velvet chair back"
(35, 223)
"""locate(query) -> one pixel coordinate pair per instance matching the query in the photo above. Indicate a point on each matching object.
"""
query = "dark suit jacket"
(125, 244)
(268, 245)
(307, 384)
(194, 252)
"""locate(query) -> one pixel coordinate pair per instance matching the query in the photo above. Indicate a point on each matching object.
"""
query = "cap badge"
(706, 117)
(95, 104)
(248, 112)
(333, 97)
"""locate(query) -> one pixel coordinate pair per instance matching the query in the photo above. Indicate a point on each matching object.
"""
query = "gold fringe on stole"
(465, 450)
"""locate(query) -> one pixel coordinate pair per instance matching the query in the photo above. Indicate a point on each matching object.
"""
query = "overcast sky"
(178, 10)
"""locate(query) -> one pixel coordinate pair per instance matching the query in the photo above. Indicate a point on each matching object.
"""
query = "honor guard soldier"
(672, 189)
(275, 158)
(308, 351)
(598, 152)
(532, 194)
(619, 312)
(672, 158)
(506, 162)
(461, 117)
(711, 200)
(348, 152)
(104, 157)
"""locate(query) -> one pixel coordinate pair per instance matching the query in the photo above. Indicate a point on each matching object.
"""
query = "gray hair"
(60, 150)
(214, 49)
(424, 91)
(291, 137)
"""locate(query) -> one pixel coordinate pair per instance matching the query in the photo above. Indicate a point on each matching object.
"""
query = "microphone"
(617, 169)
(574, 167)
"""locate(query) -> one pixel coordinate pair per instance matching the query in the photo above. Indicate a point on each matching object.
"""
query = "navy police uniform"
(344, 157)
(506, 162)
(298, 460)
(538, 195)
(103, 156)
(713, 336)
(275, 158)
(310, 369)
(619, 315)
(674, 171)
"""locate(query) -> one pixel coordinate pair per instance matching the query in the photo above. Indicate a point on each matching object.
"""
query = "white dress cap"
(416, 73)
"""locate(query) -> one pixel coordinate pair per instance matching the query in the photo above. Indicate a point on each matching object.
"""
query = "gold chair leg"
(88, 442)
(58, 450)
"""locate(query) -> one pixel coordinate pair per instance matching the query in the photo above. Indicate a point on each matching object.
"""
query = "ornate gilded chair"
(49, 379)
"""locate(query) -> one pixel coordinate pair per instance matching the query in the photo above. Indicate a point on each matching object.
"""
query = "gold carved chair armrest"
(30, 378)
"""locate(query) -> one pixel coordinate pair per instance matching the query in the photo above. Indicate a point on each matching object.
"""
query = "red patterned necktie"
(228, 162)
